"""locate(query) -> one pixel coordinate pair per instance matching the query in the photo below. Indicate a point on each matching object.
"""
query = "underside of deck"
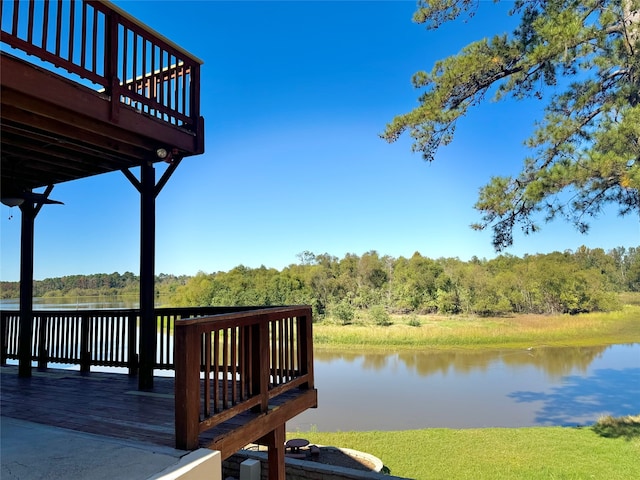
(56, 130)
(110, 404)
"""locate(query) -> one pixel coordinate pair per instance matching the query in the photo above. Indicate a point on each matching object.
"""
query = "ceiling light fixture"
(12, 201)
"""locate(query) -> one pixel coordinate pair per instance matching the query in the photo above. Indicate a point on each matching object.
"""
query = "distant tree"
(415, 283)
(344, 312)
(586, 150)
(379, 315)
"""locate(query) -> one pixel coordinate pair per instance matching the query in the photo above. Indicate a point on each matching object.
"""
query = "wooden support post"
(148, 327)
(26, 289)
(187, 387)
(274, 440)
(305, 343)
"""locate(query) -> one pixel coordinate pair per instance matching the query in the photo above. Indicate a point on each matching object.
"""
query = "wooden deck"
(110, 404)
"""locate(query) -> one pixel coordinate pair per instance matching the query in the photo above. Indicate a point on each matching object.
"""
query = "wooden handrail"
(229, 363)
(97, 337)
(99, 42)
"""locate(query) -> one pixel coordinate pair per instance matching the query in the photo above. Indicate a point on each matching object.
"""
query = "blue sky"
(294, 97)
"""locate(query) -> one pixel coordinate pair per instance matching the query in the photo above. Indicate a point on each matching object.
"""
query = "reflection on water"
(554, 361)
(462, 389)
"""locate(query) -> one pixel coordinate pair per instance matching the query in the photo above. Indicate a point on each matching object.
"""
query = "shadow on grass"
(624, 427)
(582, 400)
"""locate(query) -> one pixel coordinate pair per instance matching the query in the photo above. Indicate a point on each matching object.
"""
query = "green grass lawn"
(608, 451)
(498, 453)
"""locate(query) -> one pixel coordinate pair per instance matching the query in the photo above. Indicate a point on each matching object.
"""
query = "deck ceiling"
(54, 130)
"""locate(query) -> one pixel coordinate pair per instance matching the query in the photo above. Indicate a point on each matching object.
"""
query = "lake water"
(465, 389)
(79, 303)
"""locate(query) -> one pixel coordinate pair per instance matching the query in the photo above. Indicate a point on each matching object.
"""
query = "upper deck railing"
(101, 44)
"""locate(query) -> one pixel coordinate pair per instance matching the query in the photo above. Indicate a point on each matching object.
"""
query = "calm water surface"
(461, 389)
(79, 303)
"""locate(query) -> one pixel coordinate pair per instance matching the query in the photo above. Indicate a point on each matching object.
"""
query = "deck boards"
(110, 404)
(100, 403)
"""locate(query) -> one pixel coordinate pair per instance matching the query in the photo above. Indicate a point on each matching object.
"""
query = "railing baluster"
(234, 363)
(118, 336)
(30, 23)
(58, 27)
(281, 371)
(152, 77)
(273, 357)
(86, 324)
(144, 82)
(96, 325)
(243, 361)
(55, 348)
(64, 338)
(94, 41)
(132, 342)
(134, 73)
(160, 342)
(125, 54)
(225, 368)
(207, 374)
(167, 336)
(176, 91)
(75, 340)
(16, 18)
(183, 79)
(72, 20)
(45, 25)
(83, 49)
(216, 371)
(287, 350)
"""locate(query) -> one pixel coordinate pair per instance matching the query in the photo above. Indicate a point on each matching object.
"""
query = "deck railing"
(97, 337)
(82, 337)
(97, 41)
(227, 360)
(229, 364)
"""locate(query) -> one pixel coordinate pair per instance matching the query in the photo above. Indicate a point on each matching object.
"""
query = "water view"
(465, 389)
(78, 303)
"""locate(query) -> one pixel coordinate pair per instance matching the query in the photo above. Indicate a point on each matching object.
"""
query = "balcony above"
(86, 89)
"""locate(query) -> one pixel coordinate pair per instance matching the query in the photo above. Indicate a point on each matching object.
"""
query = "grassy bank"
(500, 453)
(517, 331)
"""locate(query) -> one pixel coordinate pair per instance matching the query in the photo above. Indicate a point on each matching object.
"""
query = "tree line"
(569, 282)
(578, 281)
(97, 284)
